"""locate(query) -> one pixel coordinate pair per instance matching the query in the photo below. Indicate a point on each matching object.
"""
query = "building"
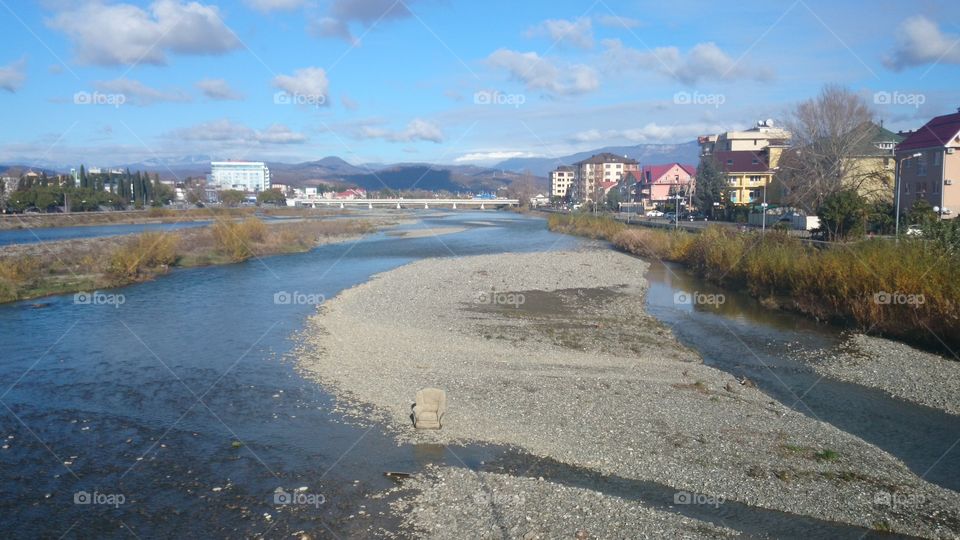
(253, 176)
(754, 140)
(595, 176)
(560, 181)
(929, 162)
(749, 175)
(539, 200)
(871, 167)
(656, 184)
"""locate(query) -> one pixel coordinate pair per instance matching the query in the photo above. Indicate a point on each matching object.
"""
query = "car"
(670, 215)
(697, 217)
(654, 213)
(914, 230)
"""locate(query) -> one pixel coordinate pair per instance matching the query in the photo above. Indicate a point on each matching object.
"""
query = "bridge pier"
(426, 206)
(370, 206)
(341, 206)
(398, 206)
(482, 207)
(454, 206)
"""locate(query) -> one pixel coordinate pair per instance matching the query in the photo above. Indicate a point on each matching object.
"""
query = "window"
(733, 180)
(936, 158)
(936, 187)
(922, 166)
(733, 196)
(729, 162)
(756, 161)
(921, 188)
(755, 179)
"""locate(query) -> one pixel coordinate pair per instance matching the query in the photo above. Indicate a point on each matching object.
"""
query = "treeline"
(88, 191)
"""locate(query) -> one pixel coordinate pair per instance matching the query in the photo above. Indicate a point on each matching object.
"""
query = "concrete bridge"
(481, 204)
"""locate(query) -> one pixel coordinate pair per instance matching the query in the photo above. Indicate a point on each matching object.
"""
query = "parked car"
(654, 213)
(697, 217)
(670, 215)
(914, 230)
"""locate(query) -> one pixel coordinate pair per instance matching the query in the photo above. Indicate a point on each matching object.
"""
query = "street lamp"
(897, 175)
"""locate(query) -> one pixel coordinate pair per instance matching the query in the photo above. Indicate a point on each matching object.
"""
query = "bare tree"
(826, 132)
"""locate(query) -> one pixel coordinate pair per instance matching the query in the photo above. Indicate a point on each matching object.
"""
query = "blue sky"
(450, 81)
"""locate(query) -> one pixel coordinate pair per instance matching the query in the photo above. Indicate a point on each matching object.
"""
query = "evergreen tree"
(711, 182)
(84, 182)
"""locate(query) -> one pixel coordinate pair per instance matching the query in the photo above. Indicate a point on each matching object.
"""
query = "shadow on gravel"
(750, 520)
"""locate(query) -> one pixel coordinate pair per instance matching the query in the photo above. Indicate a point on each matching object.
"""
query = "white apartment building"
(598, 174)
(242, 175)
(561, 180)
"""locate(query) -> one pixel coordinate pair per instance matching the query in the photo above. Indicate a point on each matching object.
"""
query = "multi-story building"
(560, 181)
(242, 175)
(656, 184)
(598, 174)
(871, 167)
(753, 140)
(749, 175)
(929, 162)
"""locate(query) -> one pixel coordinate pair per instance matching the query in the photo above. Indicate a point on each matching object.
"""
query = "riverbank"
(41, 269)
(896, 368)
(553, 353)
(904, 291)
(151, 215)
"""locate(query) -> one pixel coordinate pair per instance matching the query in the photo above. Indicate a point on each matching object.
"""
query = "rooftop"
(742, 161)
(607, 157)
(939, 132)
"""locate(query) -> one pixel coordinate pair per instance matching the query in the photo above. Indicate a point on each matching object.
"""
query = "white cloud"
(577, 33)
(12, 76)
(616, 21)
(705, 61)
(649, 133)
(138, 93)
(218, 89)
(538, 73)
(482, 157)
(343, 13)
(125, 34)
(417, 130)
(227, 133)
(274, 5)
(920, 41)
(307, 84)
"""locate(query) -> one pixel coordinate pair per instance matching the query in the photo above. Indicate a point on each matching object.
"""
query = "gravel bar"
(553, 353)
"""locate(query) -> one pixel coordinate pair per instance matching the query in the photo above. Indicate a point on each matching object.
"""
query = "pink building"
(657, 183)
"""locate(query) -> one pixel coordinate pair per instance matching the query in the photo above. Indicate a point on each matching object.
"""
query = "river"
(178, 408)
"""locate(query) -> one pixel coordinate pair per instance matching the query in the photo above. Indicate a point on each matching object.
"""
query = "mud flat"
(552, 353)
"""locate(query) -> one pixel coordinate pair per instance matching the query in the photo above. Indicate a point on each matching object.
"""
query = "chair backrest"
(432, 400)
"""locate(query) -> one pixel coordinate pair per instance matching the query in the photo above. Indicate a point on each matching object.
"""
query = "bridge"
(481, 204)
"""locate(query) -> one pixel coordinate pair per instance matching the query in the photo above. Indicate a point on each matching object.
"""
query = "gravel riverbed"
(553, 353)
(896, 368)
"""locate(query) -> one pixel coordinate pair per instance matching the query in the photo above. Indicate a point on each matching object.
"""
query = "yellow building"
(750, 175)
(872, 168)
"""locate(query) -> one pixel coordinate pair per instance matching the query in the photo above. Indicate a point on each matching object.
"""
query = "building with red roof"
(655, 184)
(929, 165)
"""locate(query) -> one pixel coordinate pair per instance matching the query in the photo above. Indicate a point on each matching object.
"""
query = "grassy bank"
(906, 290)
(35, 270)
(150, 215)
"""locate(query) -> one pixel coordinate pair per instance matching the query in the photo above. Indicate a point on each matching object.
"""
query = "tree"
(826, 132)
(272, 196)
(921, 212)
(843, 215)
(231, 197)
(711, 182)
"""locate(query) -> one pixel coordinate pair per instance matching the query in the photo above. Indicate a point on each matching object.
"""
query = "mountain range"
(334, 170)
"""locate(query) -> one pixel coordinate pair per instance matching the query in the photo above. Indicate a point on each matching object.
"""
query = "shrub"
(147, 251)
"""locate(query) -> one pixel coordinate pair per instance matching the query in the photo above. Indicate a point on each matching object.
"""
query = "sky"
(445, 81)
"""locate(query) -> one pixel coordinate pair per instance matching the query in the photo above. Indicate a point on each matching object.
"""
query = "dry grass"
(35, 270)
(906, 290)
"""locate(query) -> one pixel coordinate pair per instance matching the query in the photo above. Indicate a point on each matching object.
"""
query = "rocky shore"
(552, 353)
(896, 368)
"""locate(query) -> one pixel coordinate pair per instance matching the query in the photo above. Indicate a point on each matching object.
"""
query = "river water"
(177, 409)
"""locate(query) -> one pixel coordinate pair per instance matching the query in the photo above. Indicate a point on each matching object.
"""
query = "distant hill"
(646, 154)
